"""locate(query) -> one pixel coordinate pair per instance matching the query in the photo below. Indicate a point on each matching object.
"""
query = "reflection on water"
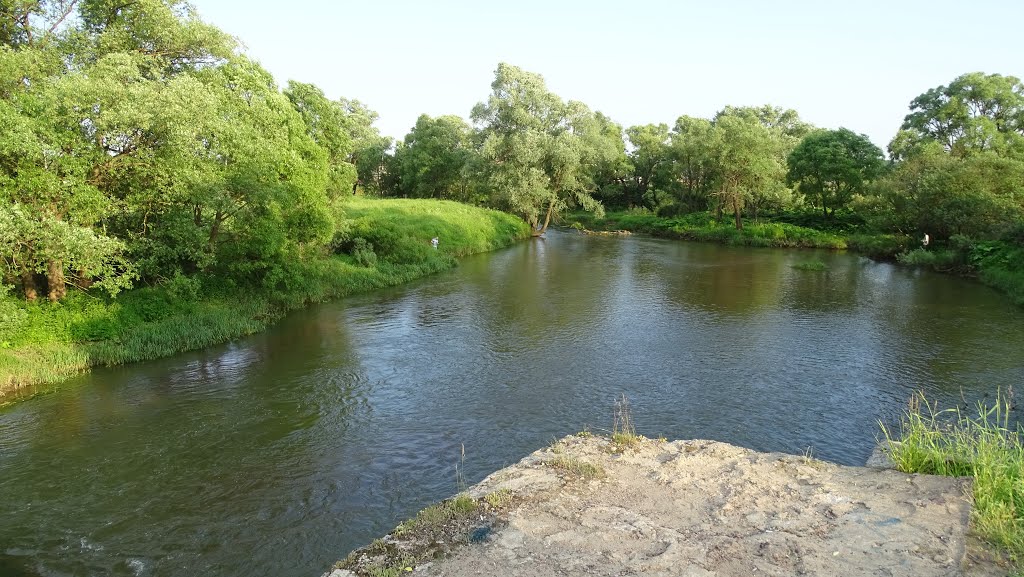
(277, 454)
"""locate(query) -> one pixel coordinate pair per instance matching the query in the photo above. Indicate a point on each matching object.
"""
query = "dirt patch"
(691, 508)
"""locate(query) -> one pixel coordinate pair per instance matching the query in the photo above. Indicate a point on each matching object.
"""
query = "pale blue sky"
(852, 64)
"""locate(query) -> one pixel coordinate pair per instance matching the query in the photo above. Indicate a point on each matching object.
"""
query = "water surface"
(277, 454)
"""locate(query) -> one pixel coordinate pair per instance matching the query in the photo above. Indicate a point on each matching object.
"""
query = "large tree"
(831, 166)
(434, 159)
(651, 162)
(748, 156)
(538, 158)
(696, 169)
(974, 113)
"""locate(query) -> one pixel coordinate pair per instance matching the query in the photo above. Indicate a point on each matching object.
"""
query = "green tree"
(433, 161)
(749, 162)
(831, 166)
(369, 149)
(980, 196)
(974, 113)
(651, 163)
(694, 152)
(538, 159)
(326, 125)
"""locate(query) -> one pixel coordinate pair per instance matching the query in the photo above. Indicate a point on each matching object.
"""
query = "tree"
(693, 149)
(974, 113)
(369, 148)
(830, 166)
(652, 165)
(433, 160)
(326, 125)
(980, 196)
(748, 159)
(538, 159)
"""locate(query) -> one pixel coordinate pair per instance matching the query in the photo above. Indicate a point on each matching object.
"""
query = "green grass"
(458, 507)
(577, 467)
(45, 343)
(1001, 266)
(811, 265)
(981, 446)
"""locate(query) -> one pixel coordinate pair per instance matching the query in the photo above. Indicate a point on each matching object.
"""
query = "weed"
(460, 468)
(393, 567)
(500, 498)
(577, 467)
(623, 432)
(457, 507)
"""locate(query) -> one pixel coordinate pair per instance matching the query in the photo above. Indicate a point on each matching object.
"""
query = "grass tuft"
(623, 432)
(500, 498)
(577, 467)
(981, 446)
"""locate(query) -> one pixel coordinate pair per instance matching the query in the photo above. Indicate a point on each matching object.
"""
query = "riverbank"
(384, 243)
(589, 505)
(998, 264)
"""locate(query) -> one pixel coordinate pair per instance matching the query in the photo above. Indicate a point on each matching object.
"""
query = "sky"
(853, 64)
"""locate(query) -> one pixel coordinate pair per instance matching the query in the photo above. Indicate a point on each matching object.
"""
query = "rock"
(709, 508)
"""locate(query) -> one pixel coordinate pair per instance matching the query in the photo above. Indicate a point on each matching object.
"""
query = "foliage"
(702, 226)
(981, 446)
(981, 196)
(52, 341)
(539, 151)
(831, 166)
(974, 113)
(436, 160)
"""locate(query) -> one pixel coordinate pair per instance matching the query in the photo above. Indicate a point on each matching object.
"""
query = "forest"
(151, 172)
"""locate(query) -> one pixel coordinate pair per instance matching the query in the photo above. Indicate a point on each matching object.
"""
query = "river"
(279, 453)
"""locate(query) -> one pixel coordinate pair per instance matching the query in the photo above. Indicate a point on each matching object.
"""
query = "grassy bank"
(981, 446)
(384, 243)
(999, 263)
(704, 227)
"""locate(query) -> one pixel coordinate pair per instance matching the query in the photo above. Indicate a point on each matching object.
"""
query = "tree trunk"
(55, 280)
(28, 283)
(737, 214)
(211, 242)
(547, 219)
(83, 280)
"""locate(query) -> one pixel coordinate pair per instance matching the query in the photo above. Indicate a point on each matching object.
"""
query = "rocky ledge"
(590, 506)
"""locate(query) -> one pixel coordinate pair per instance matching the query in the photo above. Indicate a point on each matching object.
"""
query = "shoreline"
(998, 265)
(38, 368)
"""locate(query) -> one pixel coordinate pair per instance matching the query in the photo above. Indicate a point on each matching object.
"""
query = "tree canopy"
(831, 166)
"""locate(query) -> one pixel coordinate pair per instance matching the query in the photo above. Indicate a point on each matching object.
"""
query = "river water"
(277, 454)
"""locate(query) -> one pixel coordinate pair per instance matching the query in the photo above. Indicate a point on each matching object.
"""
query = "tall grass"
(982, 446)
(385, 243)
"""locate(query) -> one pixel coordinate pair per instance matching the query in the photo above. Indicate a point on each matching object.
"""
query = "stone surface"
(703, 508)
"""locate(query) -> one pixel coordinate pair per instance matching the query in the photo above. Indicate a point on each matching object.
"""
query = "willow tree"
(749, 160)
(975, 113)
(539, 157)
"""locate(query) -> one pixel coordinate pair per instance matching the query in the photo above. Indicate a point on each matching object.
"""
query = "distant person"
(924, 241)
(433, 242)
